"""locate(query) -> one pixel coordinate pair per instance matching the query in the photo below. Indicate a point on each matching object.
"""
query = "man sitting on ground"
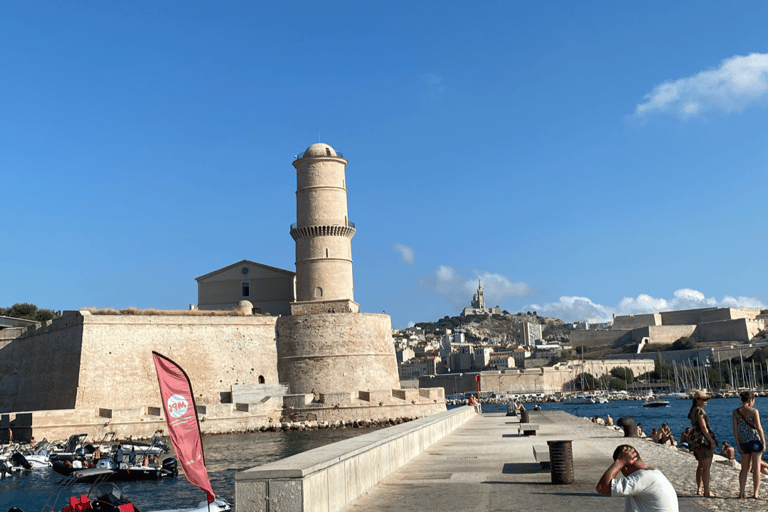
(728, 451)
(644, 488)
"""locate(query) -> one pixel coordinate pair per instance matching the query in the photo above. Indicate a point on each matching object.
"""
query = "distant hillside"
(503, 328)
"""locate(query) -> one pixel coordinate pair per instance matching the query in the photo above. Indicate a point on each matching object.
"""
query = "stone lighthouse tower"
(323, 234)
(326, 344)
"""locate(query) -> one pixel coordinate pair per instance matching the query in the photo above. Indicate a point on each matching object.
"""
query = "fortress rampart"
(704, 325)
(342, 352)
(84, 361)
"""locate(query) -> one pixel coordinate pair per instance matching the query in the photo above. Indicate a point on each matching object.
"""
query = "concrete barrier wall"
(333, 476)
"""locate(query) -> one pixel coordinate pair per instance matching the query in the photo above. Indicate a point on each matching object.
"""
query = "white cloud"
(737, 83)
(435, 84)
(406, 253)
(573, 309)
(460, 289)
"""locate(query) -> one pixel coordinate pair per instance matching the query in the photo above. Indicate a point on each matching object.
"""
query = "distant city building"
(482, 357)
(477, 306)
(462, 359)
(532, 334)
(448, 340)
(405, 355)
(418, 367)
(501, 361)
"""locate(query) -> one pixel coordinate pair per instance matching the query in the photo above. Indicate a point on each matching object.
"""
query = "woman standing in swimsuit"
(750, 441)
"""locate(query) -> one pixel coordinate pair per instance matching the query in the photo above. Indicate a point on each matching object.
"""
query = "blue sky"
(582, 158)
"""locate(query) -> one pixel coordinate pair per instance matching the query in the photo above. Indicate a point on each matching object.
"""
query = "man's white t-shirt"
(646, 490)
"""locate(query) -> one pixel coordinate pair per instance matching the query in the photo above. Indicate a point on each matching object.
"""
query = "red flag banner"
(181, 417)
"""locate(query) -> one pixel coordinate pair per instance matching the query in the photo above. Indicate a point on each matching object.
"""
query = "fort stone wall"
(684, 317)
(41, 370)
(597, 338)
(337, 352)
(87, 361)
(740, 329)
(634, 321)
(664, 334)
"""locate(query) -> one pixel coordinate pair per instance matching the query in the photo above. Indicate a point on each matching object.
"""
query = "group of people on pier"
(646, 488)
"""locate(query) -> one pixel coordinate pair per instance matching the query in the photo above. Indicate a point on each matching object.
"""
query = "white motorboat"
(580, 400)
(655, 402)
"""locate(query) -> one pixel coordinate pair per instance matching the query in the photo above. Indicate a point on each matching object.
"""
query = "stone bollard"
(524, 418)
(561, 462)
(628, 424)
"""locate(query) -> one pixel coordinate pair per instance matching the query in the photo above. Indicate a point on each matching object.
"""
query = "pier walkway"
(486, 465)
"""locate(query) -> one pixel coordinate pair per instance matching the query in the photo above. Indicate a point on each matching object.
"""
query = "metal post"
(561, 462)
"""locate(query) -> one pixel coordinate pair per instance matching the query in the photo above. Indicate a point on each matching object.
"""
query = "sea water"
(225, 455)
(719, 411)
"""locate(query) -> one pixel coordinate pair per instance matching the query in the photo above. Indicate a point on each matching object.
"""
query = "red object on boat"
(183, 426)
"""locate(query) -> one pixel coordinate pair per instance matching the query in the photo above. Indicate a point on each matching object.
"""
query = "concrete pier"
(485, 463)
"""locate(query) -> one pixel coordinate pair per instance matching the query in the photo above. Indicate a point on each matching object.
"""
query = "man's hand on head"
(627, 456)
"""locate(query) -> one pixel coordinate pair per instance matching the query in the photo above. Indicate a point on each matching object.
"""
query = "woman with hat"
(704, 442)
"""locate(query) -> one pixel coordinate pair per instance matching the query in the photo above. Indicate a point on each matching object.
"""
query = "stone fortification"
(663, 334)
(626, 322)
(707, 324)
(590, 338)
(85, 361)
(342, 352)
(548, 380)
(601, 368)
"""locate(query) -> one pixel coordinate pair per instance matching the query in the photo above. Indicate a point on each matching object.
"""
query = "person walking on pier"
(644, 488)
(750, 440)
(702, 441)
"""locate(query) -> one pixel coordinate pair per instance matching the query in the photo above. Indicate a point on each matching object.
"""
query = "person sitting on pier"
(608, 420)
(684, 437)
(640, 432)
(728, 451)
(655, 435)
(644, 488)
(474, 403)
(666, 435)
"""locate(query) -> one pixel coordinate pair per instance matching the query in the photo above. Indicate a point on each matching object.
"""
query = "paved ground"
(486, 465)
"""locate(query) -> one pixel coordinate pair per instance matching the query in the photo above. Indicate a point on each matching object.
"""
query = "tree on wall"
(684, 343)
(27, 311)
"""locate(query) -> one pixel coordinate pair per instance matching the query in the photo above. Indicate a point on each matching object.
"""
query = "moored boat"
(655, 402)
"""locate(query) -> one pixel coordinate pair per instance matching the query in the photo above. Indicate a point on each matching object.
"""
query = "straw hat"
(701, 394)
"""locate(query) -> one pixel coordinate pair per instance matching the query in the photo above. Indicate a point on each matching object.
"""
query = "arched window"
(261, 379)
(318, 293)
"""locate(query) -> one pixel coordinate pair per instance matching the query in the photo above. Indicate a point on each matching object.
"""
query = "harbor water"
(225, 455)
(228, 454)
(675, 414)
